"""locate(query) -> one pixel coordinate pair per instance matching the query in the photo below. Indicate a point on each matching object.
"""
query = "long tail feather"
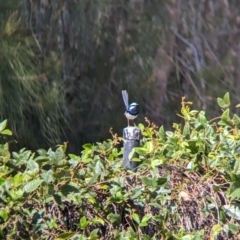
(125, 97)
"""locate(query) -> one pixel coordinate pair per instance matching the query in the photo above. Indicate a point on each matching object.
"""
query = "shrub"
(186, 186)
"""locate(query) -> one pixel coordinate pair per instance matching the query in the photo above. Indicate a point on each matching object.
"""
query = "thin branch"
(197, 62)
(195, 87)
(189, 68)
(31, 28)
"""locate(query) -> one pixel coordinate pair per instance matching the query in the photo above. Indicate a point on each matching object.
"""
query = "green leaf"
(186, 130)
(2, 181)
(42, 152)
(149, 146)
(6, 132)
(238, 105)
(64, 236)
(136, 217)
(98, 220)
(145, 237)
(83, 223)
(141, 126)
(237, 167)
(148, 182)
(216, 230)
(112, 217)
(225, 101)
(141, 151)
(59, 154)
(32, 165)
(99, 168)
(146, 217)
(187, 237)
(94, 234)
(233, 228)
(225, 116)
(22, 158)
(232, 211)
(93, 179)
(4, 214)
(88, 146)
(18, 179)
(136, 192)
(57, 199)
(145, 220)
(3, 125)
(161, 133)
(69, 188)
(161, 181)
(74, 157)
(236, 120)
(48, 176)
(235, 194)
(32, 185)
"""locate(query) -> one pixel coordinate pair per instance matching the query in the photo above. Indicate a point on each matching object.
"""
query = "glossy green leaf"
(32, 185)
(3, 125)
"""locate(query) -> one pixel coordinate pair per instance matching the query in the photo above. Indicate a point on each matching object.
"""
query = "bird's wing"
(125, 97)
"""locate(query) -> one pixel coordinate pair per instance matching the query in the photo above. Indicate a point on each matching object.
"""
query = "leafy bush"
(187, 185)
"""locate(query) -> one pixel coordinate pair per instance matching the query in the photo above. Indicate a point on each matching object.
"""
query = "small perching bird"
(132, 110)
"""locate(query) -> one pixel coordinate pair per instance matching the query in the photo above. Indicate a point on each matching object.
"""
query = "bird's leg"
(134, 123)
(128, 122)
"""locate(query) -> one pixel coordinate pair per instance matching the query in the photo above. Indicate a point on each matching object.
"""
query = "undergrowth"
(187, 185)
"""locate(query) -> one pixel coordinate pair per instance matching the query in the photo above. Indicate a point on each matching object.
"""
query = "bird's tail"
(125, 97)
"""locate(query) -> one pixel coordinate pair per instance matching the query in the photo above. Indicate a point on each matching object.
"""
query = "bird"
(132, 110)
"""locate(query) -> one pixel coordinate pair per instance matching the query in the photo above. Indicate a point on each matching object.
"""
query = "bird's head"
(133, 109)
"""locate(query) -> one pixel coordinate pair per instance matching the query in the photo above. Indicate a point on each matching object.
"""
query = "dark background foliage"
(63, 63)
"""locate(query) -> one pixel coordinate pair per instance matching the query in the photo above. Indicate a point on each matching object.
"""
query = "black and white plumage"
(132, 110)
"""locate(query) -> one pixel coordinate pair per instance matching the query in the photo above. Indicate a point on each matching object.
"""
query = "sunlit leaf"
(83, 222)
(6, 132)
(3, 125)
(65, 236)
(216, 230)
(4, 214)
(232, 211)
(32, 185)
(48, 176)
(135, 216)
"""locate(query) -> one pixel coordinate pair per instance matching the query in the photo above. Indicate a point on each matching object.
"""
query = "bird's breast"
(129, 116)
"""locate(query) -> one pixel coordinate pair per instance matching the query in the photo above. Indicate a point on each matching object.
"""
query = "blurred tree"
(89, 50)
(28, 97)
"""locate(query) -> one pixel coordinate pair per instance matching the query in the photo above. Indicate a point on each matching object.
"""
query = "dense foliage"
(186, 186)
